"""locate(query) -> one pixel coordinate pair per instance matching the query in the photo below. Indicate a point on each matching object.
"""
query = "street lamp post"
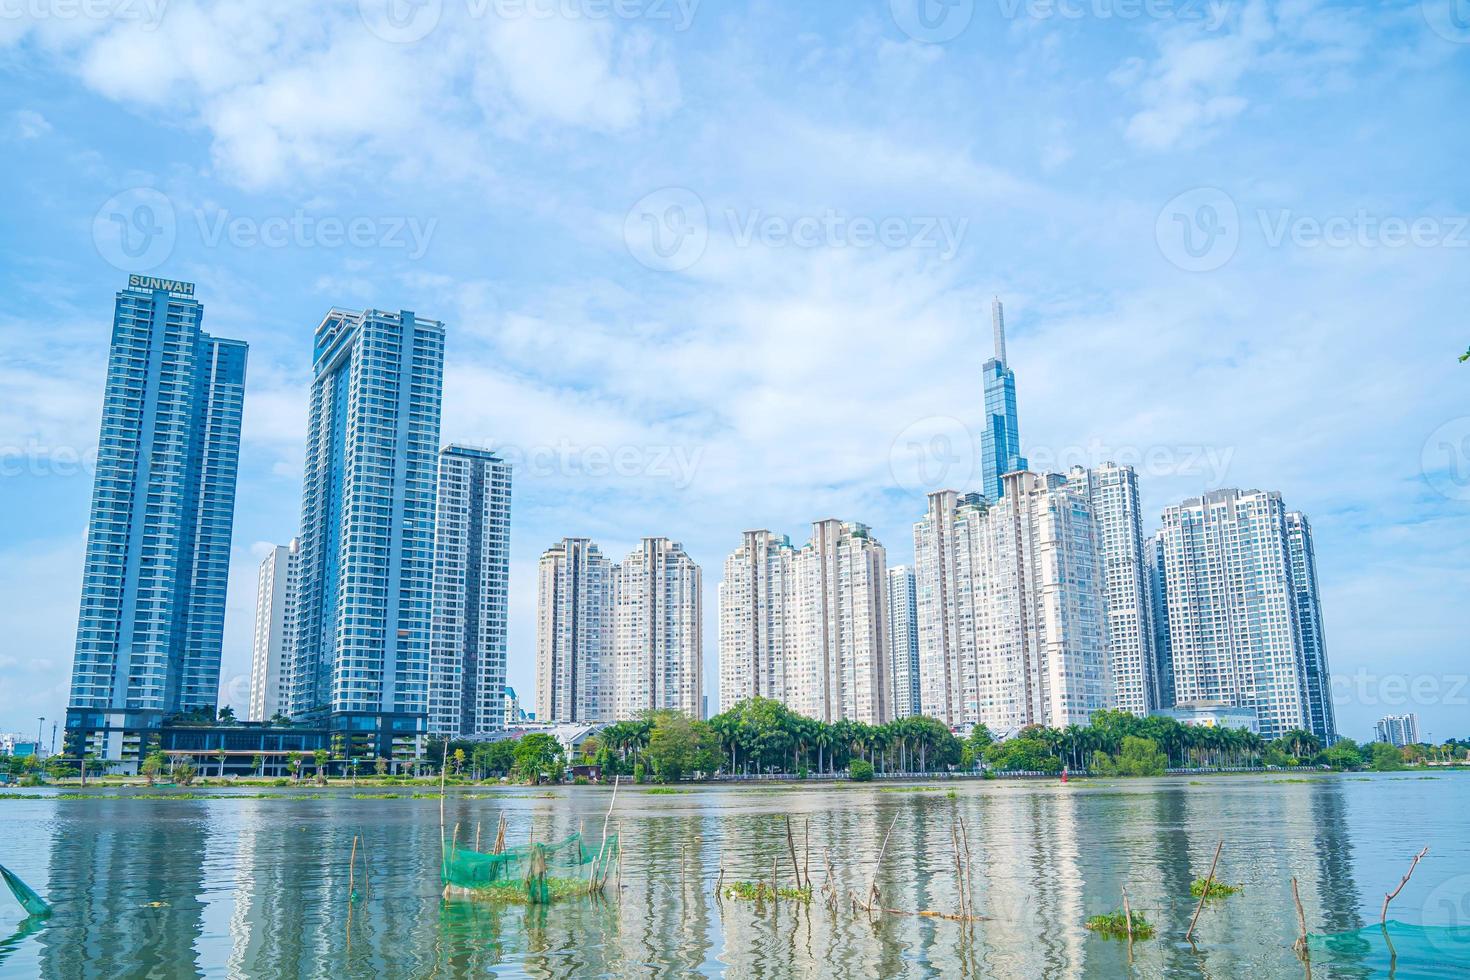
(40, 723)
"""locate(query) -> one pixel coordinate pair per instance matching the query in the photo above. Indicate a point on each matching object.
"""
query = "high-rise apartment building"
(575, 673)
(757, 618)
(903, 641)
(809, 626)
(471, 583)
(1000, 437)
(360, 663)
(658, 652)
(1322, 718)
(1235, 609)
(1011, 607)
(151, 623)
(839, 667)
(1112, 491)
(275, 629)
(1158, 611)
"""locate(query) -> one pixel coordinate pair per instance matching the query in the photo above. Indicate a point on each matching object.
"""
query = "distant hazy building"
(658, 635)
(1398, 730)
(574, 635)
(903, 641)
(1011, 607)
(1112, 491)
(360, 662)
(1318, 677)
(275, 629)
(1235, 609)
(471, 590)
(757, 615)
(1000, 438)
(151, 624)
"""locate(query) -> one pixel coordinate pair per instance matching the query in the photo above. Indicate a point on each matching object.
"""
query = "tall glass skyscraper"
(158, 540)
(360, 662)
(1000, 439)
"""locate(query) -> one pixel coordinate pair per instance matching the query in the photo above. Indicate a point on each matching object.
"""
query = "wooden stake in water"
(873, 885)
(1383, 919)
(1301, 920)
(791, 843)
(352, 870)
(1206, 893)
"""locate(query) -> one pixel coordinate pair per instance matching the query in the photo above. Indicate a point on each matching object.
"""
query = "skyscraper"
(1010, 607)
(1118, 526)
(364, 611)
(658, 637)
(1158, 611)
(757, 613)
(1235, 609)
(1000, 438)
(471, 583)
(151, 623)
(574, 634)
(1397, 730)
(1322, 717)
(903, 641)
(275, 629)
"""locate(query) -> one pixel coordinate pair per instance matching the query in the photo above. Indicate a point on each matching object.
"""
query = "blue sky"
(1231, 238)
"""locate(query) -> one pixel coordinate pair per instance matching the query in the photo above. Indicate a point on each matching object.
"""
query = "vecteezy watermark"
(135, 230)
(932, 21)
(669, 230)
(1445, 459)
(1209, 465)
(676, 464)
(138, 229)
(1450, 19)
(145, 13)
(1401, 690)
(1209, 13)
(39, 459)
(1362, 229)
(1199, 230)
(933, 453)
(407, 21)
(408, 233)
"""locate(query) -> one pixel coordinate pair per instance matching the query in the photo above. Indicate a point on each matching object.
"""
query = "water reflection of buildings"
(129, 879)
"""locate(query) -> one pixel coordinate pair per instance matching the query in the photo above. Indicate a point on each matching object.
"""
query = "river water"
(236, 885)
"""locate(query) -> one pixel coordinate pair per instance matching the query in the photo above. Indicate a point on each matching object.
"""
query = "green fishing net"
(534, 873)
(1398, 949)
(33, 904)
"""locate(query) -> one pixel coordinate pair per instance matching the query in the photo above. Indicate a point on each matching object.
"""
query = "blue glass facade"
(365, 600)
(151, 624)
(1000, 438)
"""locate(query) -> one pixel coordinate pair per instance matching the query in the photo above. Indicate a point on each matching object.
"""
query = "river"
(232, 884)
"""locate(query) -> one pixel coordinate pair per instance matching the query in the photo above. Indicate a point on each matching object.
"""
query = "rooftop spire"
(998, 318)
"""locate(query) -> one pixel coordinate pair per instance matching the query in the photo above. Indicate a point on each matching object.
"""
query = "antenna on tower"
(998, 319)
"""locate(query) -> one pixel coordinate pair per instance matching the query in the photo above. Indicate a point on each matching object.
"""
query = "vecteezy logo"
(931, 454)
(1199, 230)
(1448, 905)
(932, 21)
(1450, 19)
(135, 230)
(1445, 460)
(401, 21)
(667, 230)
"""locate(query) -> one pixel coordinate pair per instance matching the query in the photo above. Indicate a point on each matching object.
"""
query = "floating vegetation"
(910, 789)
(664, 791)
(1218, 889)
(760, 891)
(517, 892)
(1114, 925)
(375, 796)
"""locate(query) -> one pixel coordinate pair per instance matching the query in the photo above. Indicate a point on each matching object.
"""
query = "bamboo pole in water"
(1210, 880)
(791, 843)
(873, 885)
